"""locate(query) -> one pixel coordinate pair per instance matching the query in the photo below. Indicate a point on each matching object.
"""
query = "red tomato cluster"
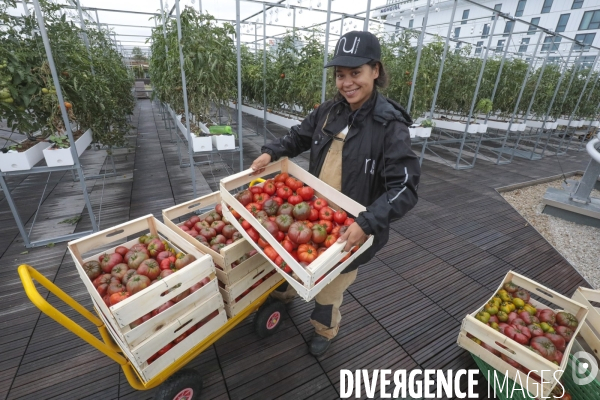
(180, 338)
(542, 331)
(211, 229)
(118, 275)
(255, 285)
(304, 225)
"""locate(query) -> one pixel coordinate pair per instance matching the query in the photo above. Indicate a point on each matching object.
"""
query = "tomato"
(183, 261)
(117, 297)
(108, 261)
(254, 208)
(256, 189)
(269, 188)
(287, 245)
(301, 211)
(294, 199)
(320, 203)
(155, 246)
(306, 192)
(228, 231)
(122, 250)
(260, 198)
(330, 240)
(285, 209)
(92, 269)
(307, 253)
(137, 283)
(136, 259)
(262, 243)
(340, 217)
(328, 225)
(319, 234)
(120, 270)
(165, 349)
(544, 346)
(218, 226)
(299, 233)
(127, 276)
(293, 183)
(245, 224)
(270, 253)
(235, 214)
(566, 319)
(168, 263)
(253, 234)
(163, 255)
(326, 213)
(321, 250)
(278, 200)
(150, 268)
(244, 197)
(180, 338)
(278, 185)
(518, 333)
(565, 332)
(115, 287)
(314, 215)
(281, 177)
(559, 342)
(284, 192)
(270, 206)
(336, 230)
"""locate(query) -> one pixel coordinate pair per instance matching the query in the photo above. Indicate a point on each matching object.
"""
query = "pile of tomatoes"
(118, 275)
(542, 331)
(212, 230)
(304, 225)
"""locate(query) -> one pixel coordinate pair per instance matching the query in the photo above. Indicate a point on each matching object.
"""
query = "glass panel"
(520, 8)
(585, 20)
(532, 29)
(562, 22)
(547, 6)
(577, 4)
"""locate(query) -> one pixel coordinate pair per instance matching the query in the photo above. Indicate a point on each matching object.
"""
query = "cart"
(179, 384)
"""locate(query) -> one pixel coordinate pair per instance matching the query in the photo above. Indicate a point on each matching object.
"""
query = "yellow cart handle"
(28, 274)
(256, 181)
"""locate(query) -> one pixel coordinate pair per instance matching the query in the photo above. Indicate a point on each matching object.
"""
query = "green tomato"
(10, 100)
(483, 316)
(45, 91)
(491, 308)
(502, 316)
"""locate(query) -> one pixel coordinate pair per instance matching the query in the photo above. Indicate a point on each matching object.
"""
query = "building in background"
(576, 19)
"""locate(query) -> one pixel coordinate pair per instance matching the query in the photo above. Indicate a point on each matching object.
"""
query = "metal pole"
(294, 27)
(366, 23)
(439, 78)
(255, 40)
(200, 6)
(326, 52)
(265, 73)
(85, 36)
(185, 100)
(512, 118)
(462, 145)
(419, 48)
(162, 17)
(63, 111)
(501, 67)
(97, 21)
(238, 32)
(26, 9)
(342, 26)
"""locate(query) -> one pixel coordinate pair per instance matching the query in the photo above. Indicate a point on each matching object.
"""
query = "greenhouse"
(308, 199)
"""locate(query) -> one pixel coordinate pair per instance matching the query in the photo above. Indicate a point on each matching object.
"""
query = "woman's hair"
(383, 80)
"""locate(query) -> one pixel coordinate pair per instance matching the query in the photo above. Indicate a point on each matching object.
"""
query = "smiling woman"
(360, 145)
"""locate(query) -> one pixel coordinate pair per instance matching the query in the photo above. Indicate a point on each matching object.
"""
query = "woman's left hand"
(354, 236)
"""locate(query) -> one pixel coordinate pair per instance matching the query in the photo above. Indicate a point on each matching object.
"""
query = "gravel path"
(579, 244)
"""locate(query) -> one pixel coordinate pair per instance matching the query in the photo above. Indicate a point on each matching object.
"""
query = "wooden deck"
(403, 312)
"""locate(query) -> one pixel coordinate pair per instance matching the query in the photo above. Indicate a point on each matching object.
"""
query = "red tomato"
(269, 188)
(328, 225)
(320, 203)
(321, 250)
(260, 198)
(314, 215)
(254, 208)
(253, 234)
(256, 189)
(278, 200)
(293, 183)
(263, 243)
(348, 221)
(245, 224)
(330, 240)
(280, 236)
(165, 349)
(235, 214)
(117, 297)
(281, 177)
(168, 263)
(307, 253)
(279, 184)
(287, 245)
(306, 192)
(295, 255)
(299, 233)
(284, 192)
(325, 213)
(340, 216)
(318, 234)
(295, 199)
(336, 230)
(271, 253)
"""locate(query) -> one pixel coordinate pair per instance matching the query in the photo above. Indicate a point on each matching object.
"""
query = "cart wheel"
(268, 318)
(185, 384)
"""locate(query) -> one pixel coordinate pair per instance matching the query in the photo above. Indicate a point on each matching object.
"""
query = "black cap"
(354, 49)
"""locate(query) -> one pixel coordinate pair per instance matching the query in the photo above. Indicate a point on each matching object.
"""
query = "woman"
(359, 144)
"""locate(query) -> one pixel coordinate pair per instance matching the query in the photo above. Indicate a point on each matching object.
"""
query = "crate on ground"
(327, 266)
(471, 327)
(230, 262)
(159, 331)
(590, 331)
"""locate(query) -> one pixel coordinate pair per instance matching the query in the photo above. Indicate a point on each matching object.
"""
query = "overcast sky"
(226, 9)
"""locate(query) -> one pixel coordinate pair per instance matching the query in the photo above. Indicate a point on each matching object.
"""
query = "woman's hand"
(258, 166)
(354, 236)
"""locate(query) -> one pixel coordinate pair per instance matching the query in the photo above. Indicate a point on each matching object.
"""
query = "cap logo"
(352, 50)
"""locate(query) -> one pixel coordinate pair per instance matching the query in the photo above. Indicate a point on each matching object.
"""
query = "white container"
(423, 132)
(503, 125)
(538, 124)
(412, 131)
(202, 143)
(596, 123)
(61, 157)
(223, 142)
(482, 128)
(456, 126)
(21, 161)
(283, 121)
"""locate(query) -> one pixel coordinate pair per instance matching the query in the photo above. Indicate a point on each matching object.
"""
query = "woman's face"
(356, 84)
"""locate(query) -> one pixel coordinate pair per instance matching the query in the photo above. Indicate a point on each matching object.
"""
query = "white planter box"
(503, 125)
(482, 128)
(574, 123)
(596, 123)
(201, 143)
(412, 131)
(61, 157)
(15, 161)
(283, 121)
(223, 142)
(423, 132)
(457, 126)
(538, 124)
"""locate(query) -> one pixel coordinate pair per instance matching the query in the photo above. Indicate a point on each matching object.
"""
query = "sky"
(226, 9)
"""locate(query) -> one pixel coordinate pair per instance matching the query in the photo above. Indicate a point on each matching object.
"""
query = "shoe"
(318, 345)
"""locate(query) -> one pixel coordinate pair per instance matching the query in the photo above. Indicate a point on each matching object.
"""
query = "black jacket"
(379, 169)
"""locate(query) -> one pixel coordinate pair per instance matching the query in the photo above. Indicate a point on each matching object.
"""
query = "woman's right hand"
(258, 166)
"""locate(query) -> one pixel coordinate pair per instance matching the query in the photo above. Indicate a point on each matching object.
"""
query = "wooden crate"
(590, 331)
(146, 339)
(514, 350)
(224, 259)
(231, 292)
(325, 265)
